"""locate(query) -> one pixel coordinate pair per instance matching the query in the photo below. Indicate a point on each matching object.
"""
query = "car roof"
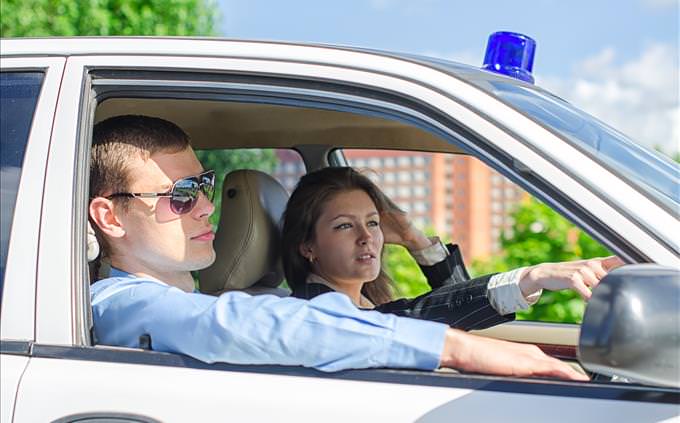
(336, 128)
(210, 47)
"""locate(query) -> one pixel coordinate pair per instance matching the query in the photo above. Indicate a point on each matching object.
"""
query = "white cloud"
(638, 97)
(662, 4)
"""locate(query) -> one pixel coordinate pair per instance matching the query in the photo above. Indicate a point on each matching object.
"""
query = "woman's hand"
(398, 229)
(581, 275)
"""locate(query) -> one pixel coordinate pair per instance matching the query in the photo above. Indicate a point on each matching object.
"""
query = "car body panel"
(12, 369)
(18, 314)
(66, 375)
(165, 394)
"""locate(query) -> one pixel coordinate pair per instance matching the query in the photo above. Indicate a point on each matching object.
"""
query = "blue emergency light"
(512, 54)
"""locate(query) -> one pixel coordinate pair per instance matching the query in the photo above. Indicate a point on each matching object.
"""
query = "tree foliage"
(540, 235)
(409, 281)
(41, 18)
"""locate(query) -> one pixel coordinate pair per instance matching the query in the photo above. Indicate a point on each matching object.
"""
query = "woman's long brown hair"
(304, 208)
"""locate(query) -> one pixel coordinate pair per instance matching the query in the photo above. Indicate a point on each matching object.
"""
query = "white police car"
(319, 100)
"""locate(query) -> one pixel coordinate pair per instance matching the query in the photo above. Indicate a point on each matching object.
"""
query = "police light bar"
(512, 54)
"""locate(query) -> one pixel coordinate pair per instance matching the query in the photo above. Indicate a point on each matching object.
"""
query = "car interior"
(248, 256)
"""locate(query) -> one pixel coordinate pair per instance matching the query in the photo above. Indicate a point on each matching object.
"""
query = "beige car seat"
(247, 241)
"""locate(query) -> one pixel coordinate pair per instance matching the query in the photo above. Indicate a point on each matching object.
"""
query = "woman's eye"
(373, 223)
(343, 226)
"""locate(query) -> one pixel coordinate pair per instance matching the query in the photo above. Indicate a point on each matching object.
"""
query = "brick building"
(461, 198)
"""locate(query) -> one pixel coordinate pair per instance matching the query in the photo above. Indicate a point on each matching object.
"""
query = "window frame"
(316, 93)
(19, 291)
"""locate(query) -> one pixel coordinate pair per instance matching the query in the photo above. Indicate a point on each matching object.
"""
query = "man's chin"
(204, 262)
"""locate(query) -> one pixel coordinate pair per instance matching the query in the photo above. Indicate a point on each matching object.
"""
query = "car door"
(75, 379)
(29, 88)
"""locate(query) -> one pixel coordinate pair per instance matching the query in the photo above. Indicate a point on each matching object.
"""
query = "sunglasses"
(183, 194)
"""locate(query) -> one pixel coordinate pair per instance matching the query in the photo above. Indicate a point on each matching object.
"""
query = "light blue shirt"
(328, 332)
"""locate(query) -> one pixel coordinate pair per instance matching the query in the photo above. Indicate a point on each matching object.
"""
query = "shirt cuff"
(416, 344)
(433, 254)
(505, 294)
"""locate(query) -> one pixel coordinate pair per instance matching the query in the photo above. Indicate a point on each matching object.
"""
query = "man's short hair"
(117, 139)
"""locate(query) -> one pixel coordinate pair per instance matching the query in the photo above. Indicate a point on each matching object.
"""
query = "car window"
(496, 224)
(18, 98)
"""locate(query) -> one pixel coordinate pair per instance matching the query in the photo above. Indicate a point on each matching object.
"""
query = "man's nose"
(204, 207)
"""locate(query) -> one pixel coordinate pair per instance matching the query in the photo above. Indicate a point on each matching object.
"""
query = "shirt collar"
(117, 273)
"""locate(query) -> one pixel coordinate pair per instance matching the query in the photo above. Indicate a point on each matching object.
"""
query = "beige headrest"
(248, 239)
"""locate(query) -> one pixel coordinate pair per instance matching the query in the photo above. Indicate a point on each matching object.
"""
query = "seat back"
(247, 242)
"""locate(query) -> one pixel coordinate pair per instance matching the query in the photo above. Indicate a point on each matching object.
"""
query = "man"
(150, 204)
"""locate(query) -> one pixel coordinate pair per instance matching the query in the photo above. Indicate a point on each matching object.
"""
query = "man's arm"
(485, 355)
(328, 333)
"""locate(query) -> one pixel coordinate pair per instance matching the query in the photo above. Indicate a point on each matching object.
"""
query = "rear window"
(18, 98)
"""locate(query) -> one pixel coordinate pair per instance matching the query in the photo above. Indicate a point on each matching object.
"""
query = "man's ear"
(103, 214)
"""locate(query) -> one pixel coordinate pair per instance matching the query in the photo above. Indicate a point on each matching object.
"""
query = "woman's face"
(348, 240)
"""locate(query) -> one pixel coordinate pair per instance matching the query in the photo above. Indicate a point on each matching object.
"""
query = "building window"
(404, 192)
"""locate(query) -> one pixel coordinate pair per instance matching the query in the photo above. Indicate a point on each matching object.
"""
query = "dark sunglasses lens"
(208, 185)
(184, 196)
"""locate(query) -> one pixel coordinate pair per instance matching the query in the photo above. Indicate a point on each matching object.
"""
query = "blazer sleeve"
(463, 305)
(448, 271)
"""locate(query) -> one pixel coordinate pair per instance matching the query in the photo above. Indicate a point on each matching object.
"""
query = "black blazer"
(455, 299)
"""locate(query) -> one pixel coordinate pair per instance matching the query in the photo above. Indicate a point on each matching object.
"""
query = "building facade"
(458, 197)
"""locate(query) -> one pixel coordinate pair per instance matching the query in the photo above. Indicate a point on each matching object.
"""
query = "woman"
(335, 226)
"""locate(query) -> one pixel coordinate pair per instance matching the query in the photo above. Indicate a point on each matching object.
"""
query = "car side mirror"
(631, 326)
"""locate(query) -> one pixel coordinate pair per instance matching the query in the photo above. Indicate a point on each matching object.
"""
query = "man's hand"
(581, 275)
(398, 229)
(477, 354)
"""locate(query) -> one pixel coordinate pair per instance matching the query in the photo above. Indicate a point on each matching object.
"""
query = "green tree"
(35, 18)
(408, 280)
(41, 18)
(541, 235)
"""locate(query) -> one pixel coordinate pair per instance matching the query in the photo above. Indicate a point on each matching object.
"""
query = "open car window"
(497, 225)
(310, 132)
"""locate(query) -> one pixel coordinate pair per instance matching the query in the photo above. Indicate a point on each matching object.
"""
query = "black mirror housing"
(631, 326)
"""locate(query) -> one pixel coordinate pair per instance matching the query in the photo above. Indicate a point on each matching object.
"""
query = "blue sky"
(617, 60)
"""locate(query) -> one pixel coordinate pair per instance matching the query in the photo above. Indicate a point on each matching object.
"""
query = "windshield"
(652, 172)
